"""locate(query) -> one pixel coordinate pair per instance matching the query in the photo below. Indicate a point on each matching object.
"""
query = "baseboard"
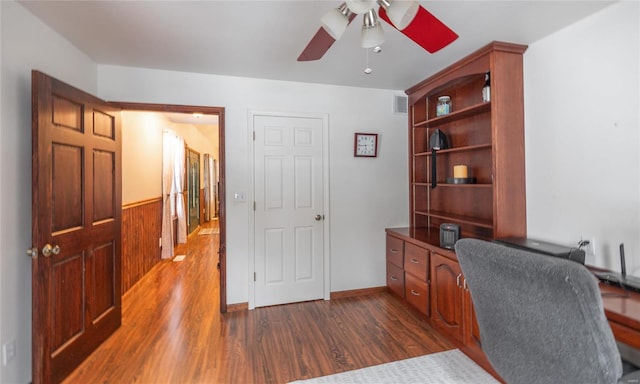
(237, 307)
(334, 296)
(357, 292)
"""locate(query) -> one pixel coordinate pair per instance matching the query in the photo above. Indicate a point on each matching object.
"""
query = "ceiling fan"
(407, 16)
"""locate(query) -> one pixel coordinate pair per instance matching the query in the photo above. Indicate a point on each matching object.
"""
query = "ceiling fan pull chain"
(367, 70)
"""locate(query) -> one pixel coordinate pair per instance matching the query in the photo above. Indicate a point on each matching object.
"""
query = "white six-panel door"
(288, 222)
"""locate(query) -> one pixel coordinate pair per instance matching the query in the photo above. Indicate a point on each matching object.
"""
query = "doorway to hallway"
(220, 113)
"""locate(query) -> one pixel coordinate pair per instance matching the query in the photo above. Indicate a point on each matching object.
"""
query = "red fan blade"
(319, 44)
(317, 47)
(426, 30)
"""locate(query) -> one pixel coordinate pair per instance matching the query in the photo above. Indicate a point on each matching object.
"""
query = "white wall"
(26, 44)
(366, 195)
(142, 152)
(582, 135)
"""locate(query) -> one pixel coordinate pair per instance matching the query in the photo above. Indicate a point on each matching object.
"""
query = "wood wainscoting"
(141, 232)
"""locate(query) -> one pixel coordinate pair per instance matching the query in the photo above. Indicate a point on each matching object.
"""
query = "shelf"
(476, 185)
(483, 223)
(453, 116)
(454, 150)
(487, 137)
(447, 185)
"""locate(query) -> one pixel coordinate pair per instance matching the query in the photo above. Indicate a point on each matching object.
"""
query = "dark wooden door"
(76, 184)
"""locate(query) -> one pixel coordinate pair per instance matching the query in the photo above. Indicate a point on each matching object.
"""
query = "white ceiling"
(263, 39)
(207, 124)
(188, 118)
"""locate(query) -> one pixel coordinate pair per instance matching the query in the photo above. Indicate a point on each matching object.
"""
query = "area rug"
(449, 367)
(208, 231)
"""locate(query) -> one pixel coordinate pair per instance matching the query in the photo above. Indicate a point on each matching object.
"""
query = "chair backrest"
(541, 318)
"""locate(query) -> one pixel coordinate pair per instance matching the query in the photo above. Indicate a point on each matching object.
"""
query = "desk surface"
(622, 309)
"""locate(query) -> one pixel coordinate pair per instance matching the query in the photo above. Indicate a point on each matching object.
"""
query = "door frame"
(222, 216)
(251, 197)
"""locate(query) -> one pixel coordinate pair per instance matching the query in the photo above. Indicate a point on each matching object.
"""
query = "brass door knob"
(33, 252)
(48, 250)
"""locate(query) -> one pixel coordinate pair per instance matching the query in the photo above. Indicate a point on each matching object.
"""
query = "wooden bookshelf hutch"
(487, 137)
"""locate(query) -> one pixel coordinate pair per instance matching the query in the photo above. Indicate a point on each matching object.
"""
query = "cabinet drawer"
(416, 261)
(417, 293)
(395, 279)
(395, 250)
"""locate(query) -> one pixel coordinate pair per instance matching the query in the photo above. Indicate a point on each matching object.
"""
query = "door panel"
(288, 174)
(77, 215)
(103, 125)
(103, 184)
(274, 255)
(303, 239)
(66, 299)
(100, 281)
(66, 199)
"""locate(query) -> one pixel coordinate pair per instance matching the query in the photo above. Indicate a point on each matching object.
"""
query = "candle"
(460, 171)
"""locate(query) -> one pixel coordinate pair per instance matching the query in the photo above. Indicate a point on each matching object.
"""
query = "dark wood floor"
(172, 332)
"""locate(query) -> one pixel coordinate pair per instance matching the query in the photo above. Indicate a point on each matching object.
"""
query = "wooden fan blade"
(320, 44)
(317, 47)
(426, 30)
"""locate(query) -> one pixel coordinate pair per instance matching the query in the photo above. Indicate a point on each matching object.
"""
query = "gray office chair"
(541, 318)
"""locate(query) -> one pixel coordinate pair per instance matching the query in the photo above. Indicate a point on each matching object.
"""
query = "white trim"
(250, 199)
(326, 204)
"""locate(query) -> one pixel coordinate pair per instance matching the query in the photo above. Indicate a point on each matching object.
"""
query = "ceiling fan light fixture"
(400, 12)
(372, 33)
(335, 21)
(361, 6)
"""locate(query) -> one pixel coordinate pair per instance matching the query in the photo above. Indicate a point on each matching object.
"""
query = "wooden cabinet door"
(446, 296)
(471, 329)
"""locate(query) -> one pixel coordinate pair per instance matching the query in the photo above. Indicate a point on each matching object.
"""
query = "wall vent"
(400, 104)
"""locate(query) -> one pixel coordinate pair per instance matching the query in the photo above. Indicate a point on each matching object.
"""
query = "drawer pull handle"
(414, 293)
(415, 261)
(393, 251)
(394, 278)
